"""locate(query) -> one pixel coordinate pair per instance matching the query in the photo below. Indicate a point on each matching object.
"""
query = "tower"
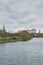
(4, 28)
(39, 32)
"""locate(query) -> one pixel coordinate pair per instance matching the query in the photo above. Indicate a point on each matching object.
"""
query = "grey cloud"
(22, 13)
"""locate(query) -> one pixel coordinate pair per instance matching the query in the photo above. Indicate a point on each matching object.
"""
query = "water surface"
(22, 53)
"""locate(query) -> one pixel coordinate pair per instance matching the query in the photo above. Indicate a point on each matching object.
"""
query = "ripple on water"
(22, 53)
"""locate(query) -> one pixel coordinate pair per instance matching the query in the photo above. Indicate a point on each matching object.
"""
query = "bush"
(25, 35)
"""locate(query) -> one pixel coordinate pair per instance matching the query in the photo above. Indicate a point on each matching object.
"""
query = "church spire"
(4, 28)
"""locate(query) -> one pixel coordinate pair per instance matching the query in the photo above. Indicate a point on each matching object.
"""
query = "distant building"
(4, 28)
(32, 31)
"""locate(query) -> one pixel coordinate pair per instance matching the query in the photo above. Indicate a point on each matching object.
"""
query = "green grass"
(10, 39)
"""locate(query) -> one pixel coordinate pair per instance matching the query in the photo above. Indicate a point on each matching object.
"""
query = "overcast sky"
(21, 14)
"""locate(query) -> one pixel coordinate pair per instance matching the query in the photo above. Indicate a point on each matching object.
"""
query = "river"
(22, 53)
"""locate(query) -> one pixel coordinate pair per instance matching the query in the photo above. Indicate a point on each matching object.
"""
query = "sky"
(21, 14)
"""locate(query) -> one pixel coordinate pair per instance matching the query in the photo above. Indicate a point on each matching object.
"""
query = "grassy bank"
(9, 39)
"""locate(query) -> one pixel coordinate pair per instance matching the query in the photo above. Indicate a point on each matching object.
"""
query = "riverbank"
(37, 35)
(20, 36)
(9, 41)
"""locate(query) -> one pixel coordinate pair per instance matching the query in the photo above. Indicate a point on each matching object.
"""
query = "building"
(32, 31)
